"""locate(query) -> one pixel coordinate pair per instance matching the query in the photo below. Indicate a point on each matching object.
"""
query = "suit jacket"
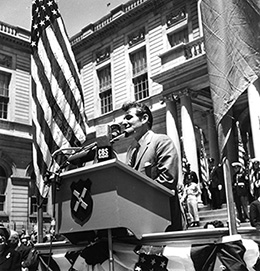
(216, 177)
(157, 158)
(255, 214)
(10, 260)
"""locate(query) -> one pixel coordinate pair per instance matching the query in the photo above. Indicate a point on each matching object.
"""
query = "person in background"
(216, 184)
(16, 244)
(190, 196)
(256, 178)
(10, 260)
(254, 213)
(240, 191)
(152, 154)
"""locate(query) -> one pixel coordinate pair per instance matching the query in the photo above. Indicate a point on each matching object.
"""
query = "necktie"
(133, 156)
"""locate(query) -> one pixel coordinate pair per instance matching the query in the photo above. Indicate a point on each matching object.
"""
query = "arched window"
(3, 184)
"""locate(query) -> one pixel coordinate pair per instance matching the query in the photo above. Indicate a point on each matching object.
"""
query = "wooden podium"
(116, 196)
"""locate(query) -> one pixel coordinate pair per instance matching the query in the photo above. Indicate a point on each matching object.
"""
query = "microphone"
(115, 130)
(125, 133)
(85, 155)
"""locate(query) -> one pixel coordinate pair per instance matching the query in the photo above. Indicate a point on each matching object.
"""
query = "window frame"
(104, 76)
(3, 178)
(4, 94)
(140, 73)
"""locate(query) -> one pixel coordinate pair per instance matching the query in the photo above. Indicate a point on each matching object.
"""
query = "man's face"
(24, 241)
(132, 120)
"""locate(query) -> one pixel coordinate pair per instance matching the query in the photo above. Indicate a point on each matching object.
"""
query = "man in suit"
(254, 213)
(153, 154)
(216, 184)
(10, 260)
(240, 191)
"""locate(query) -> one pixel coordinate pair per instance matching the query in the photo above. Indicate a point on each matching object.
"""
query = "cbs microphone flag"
(57, 100)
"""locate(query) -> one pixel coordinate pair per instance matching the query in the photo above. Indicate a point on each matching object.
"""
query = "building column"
(254, 111)
(188, 133)
(172, 131)
(212, 136)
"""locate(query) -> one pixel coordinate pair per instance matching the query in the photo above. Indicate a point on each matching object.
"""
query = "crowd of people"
(17, 252)
(245, 190)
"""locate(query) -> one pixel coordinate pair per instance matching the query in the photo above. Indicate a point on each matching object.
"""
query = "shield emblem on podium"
(81, 204)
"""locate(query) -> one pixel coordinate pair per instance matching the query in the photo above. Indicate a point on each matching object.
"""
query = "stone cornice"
(15, 35)
(119, 16)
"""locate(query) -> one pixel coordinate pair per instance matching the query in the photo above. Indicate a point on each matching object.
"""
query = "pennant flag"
(151, 262)
(231, 31)
(57, 100)
(241, 149)
(204, 167)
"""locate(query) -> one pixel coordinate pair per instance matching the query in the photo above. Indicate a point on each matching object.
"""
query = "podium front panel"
(111, 195)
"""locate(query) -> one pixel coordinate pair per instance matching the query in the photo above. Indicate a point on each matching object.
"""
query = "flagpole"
(232, 225)
(110, 248)
(40, 224)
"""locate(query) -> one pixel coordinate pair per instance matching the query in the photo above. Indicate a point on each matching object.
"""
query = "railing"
(14, 31)
(182, 52)
(194, 48)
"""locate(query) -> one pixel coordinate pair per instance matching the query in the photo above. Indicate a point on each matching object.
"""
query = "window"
(4, 94)
(178, 37)
(3, 184)
(140, 76)
(105, 89)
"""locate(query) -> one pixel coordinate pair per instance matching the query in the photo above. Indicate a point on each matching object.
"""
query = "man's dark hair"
(141, 110)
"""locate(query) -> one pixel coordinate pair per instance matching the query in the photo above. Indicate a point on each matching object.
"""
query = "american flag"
(184, 159)
(231, 31)
(204, 167)
(241, 149)
(57, 100)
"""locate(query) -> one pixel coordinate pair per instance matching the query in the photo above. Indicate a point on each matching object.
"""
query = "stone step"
(207, 214)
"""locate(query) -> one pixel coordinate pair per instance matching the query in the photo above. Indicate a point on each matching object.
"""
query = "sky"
(76, 13)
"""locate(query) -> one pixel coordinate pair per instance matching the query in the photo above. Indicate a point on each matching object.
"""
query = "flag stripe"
(68, 54)
(203, 160)
(241, 149)
(69, 81)
(54, 97)
(46, 106)
(44, 135)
